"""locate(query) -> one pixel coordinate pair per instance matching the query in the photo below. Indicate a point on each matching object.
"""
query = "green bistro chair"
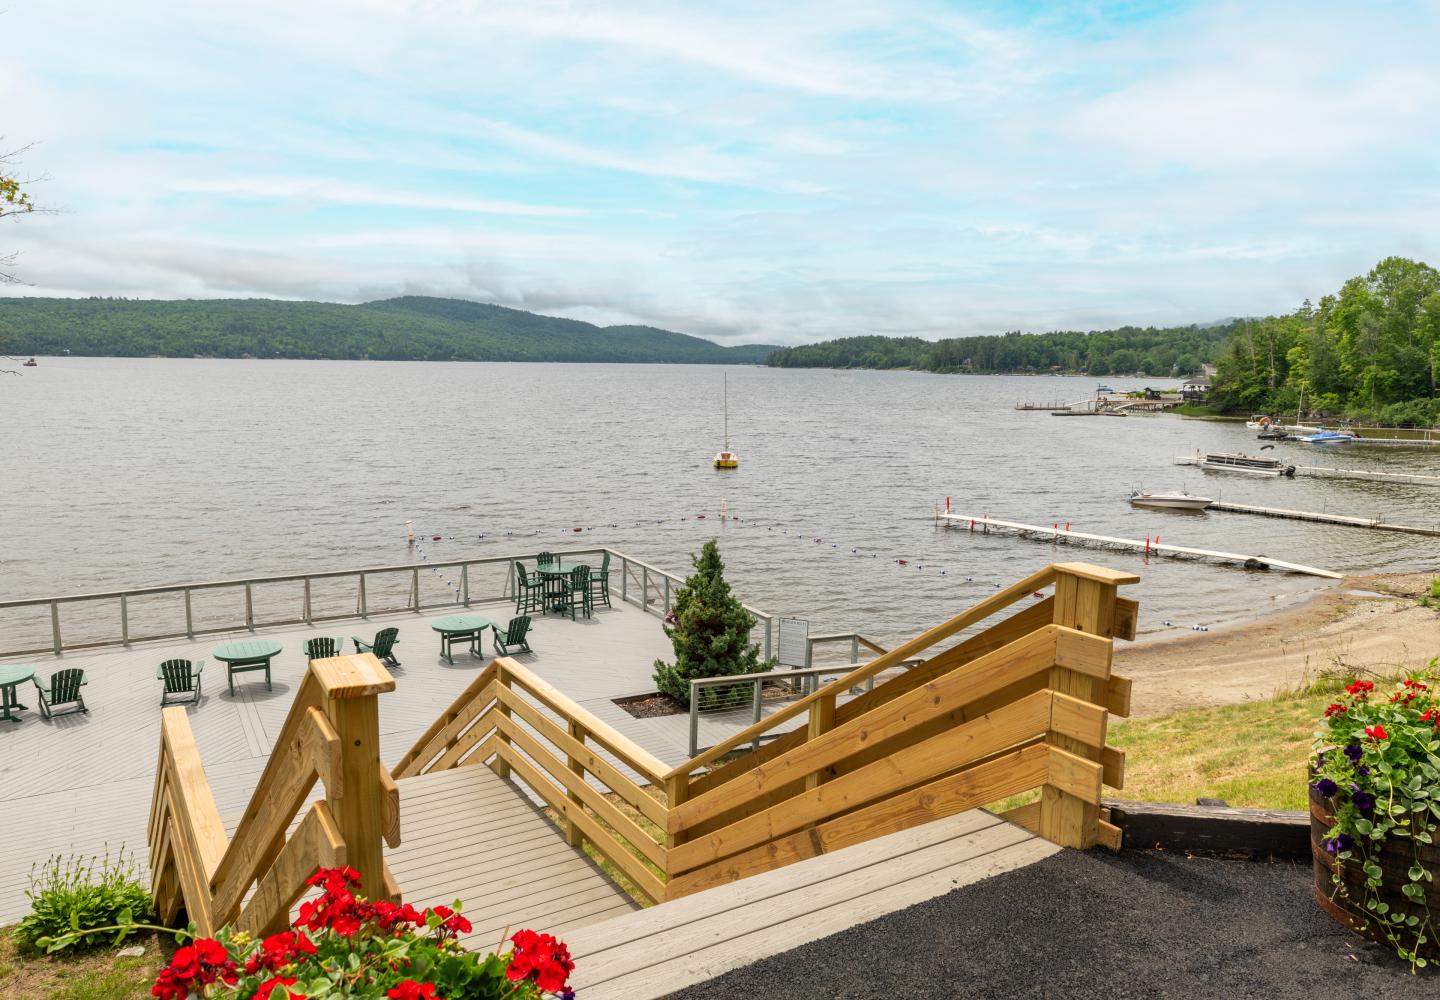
(513, 637)
(529, 594)
(323, 647)
(383, 647)
(600, 582)
(575, 590)
(64, 689)
(181, 677)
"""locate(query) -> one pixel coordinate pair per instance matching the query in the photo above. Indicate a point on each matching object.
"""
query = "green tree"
(711, 634)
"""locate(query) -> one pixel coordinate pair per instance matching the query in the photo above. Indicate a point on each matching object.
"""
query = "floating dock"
(1373, 523)
(1146, 547)
(1322, 472)
(1412, 478)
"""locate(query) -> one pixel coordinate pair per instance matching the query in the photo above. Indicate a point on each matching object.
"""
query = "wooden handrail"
(941, 632)
(331, 734)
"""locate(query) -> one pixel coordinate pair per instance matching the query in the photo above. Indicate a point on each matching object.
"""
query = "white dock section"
(1373, 523)
(1411, 478)
(654, 952)
(1043, 532)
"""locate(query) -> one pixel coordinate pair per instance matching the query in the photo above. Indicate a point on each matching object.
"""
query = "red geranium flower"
(263, 993)
(1431, 715)
(1360, 688)
(409, 989)
(1335, 709)
(542, 958)
(1376, 732)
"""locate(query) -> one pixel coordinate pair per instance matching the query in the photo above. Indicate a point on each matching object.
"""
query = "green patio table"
(554, 574)
(246, 655)
(10, 676)
(460, 628)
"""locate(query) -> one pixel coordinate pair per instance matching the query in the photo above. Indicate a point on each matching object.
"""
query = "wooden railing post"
(822, 719)
(351, 685)
(502, 679)
(1085, 601)
(573, 836)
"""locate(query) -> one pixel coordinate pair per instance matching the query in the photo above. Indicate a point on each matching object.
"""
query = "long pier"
(1412, 478)
(1373, 523)
(1147, 547)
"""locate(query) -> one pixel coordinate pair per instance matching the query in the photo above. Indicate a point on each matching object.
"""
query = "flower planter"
(1395, 858)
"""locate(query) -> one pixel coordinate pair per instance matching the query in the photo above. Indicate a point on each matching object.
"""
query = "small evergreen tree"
(711, 634)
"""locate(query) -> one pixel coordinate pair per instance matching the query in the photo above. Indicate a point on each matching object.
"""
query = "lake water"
(122, 473)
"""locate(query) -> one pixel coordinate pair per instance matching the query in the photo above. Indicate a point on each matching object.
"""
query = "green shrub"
(711, 634)
(68, 893)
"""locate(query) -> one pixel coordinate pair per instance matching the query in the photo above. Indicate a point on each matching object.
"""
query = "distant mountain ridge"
(408, 328)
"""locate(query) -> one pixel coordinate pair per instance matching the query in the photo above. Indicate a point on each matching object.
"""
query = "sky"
(764, 172)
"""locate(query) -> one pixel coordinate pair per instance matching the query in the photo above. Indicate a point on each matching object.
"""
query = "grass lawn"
(1250, 755)
(99, 975)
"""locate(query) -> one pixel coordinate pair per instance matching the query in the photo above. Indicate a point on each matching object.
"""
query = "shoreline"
(1367, 624)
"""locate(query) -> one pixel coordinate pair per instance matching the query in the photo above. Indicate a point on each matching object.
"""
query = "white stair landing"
(654, 952)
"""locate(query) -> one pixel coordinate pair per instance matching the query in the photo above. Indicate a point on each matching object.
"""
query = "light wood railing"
(1021, 706)
(251, 880)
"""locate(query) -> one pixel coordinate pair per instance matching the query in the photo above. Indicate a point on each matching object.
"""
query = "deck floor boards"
(503, 857)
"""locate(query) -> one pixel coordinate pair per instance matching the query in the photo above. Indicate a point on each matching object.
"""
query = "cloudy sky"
(766, 172)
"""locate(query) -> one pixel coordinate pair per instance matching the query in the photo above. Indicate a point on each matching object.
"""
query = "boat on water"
(1219, 461)
(1172, 501)
(1329, 437)
(726, 459)
(31, 364)
(1103, 388)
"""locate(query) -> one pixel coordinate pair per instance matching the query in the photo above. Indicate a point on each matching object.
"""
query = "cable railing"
(185, 611)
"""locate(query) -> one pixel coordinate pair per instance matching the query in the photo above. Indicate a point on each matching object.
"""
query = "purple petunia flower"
(1326, 787)
(1363, 770)
(1364, 801)
(1344, 842)
(1353, 751)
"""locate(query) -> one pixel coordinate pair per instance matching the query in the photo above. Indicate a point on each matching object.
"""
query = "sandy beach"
(1364, 624)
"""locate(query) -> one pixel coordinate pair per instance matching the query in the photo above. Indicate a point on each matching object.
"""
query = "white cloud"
(339, 192)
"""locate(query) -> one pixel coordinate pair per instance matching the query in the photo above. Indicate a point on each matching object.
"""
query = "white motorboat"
(1329, 437)
(1174, 501)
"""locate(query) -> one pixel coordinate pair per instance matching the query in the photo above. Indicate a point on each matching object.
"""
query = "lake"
(129, 472)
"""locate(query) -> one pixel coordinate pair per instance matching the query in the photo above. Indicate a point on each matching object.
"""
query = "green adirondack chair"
(600, 582)
(323, 647)
(575, 590)
(383, 647)
(513, 637)
(64, 689)
(181, 677)
(544, 558)
(529, 593)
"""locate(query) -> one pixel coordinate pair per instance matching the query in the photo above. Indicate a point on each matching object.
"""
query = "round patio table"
(460, 628)
(245, 655)
(11, 675)
(553, 574)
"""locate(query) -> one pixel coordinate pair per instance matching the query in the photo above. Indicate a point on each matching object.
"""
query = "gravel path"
(1076, 925)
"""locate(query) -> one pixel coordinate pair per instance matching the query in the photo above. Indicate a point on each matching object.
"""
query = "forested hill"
(412, 328)
(1151, 351)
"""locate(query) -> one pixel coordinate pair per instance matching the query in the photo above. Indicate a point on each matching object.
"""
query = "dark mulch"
(652, 706)
(1136, 925)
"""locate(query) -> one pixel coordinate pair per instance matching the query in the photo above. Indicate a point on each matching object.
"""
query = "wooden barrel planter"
(1395, 859)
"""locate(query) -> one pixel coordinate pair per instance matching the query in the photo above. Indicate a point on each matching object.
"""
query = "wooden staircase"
(1020, 706)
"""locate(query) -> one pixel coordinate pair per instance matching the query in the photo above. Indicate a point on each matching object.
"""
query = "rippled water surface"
(122, 473)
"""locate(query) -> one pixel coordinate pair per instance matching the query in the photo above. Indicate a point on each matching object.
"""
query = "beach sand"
(1365, 624)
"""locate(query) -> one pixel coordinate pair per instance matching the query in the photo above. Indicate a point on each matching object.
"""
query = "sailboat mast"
(726, 408)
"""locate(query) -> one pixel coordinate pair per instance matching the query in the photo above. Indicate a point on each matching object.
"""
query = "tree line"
(410, 328)
(1169, 351)
(1371, 351)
